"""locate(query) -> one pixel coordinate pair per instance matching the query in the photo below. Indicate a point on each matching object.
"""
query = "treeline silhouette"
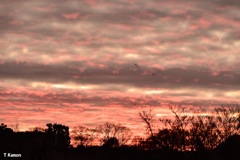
(188, 135)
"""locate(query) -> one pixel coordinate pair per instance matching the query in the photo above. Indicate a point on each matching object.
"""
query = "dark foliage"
(58, 135)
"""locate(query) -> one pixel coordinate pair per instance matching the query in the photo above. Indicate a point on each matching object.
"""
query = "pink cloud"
(121, 26)
(17, 22)
(49, 8)
(82, 43)
(147, 14)
(226, 21)
(90, 2)
(204, 23)
(193, 27)
(72, 16)
(215, 73)
(102, 66)
(146, 28)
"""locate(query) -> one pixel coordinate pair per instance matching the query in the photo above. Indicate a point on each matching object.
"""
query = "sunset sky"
(85, 62)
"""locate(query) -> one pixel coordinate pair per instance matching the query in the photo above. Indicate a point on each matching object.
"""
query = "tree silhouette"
(5, 130)
(199, 132)
(178, 127)
(5, 134)
(204, 133)
(58, 135)
(114, 131)
(84, 136)
(147, 117)
(228, 120)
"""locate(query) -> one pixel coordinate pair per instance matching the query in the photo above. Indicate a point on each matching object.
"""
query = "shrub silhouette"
(111, 143)
(230, 148)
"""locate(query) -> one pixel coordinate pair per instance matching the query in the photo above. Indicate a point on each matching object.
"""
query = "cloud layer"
(90, 61)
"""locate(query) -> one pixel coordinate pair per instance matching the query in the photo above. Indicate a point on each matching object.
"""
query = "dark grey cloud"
(128, 75)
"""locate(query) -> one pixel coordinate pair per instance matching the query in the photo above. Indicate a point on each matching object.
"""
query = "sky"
(86, 62)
